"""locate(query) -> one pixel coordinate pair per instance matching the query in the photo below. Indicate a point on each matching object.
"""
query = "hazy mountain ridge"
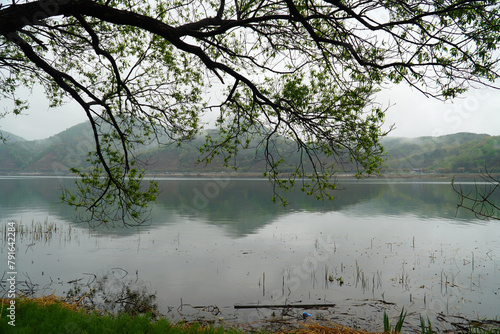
(10, 136)
(456, 153)
(53, 154)
(461, 152)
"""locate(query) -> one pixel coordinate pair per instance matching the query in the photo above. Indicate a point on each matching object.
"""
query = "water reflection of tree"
(112, 293)
(481, 198)
(242, 207)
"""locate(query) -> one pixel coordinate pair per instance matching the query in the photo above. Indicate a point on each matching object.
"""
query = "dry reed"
(315, 328)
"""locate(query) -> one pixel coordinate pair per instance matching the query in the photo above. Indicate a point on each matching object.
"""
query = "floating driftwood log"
(283, 306)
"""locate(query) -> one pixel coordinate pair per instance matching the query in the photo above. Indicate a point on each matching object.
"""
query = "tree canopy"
(304, 70)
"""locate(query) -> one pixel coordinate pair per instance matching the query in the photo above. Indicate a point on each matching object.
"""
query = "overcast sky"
(412, 114)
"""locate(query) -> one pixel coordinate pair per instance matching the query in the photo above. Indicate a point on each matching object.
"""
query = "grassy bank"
(50, 314)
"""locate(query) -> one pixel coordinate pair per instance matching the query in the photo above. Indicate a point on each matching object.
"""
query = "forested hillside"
(457, 153)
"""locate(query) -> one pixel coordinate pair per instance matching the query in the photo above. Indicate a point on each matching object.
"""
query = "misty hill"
(10, 137)
(462, 152)
(456, 153)
(51, 155)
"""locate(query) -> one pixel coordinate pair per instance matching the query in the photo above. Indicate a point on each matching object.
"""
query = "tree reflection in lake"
(222, 242)
(116, 291)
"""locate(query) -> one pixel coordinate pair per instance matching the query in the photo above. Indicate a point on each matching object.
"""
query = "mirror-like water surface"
(381, 245)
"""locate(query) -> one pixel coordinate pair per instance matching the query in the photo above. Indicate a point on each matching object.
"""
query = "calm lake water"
(216, 243)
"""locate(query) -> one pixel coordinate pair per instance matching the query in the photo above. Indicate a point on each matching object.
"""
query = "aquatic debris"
(239, 306)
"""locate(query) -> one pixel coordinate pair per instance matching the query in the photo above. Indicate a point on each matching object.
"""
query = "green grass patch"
(58, 317)
(50, 315)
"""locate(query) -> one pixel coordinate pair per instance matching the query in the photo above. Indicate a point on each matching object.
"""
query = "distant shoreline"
(259, 175)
